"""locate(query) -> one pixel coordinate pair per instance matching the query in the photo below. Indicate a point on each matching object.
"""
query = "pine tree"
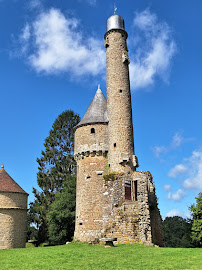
(56, 164)
(196, 211)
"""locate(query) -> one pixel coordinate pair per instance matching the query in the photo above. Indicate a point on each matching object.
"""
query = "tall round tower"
(90, 150)
(121, 144)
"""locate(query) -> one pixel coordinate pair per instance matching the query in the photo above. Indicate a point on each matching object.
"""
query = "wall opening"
(128, 190)
(120, 90)
(92, 130)
(114, 146)
(131, 190)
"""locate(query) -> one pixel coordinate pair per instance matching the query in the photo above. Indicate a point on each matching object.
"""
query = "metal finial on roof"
(2, 166)
(98, 86)
(115, 8)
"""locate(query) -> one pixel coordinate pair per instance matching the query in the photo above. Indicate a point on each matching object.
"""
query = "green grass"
(82, 256)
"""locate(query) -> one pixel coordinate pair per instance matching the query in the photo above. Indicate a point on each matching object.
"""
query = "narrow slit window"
(92, 130)
(114, 146)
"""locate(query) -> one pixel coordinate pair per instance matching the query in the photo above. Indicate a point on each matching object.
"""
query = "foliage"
(82, 256)
(196, 211)
(177, 232)
(110, 176)
(31, 230)
(61, 216)
(56, 164)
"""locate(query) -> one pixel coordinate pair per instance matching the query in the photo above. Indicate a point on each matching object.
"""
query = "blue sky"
(52, 58)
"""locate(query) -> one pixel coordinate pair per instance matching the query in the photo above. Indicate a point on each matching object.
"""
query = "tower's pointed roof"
(97, 111)
(7, 184)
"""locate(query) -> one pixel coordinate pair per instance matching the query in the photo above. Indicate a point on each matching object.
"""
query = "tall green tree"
(56, 164)
(61, 217)
(177, 232)
(196, 211)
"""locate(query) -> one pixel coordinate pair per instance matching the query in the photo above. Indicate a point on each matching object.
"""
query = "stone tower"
(90, 150)
(13, 213)
(121, 145)
(112, 198)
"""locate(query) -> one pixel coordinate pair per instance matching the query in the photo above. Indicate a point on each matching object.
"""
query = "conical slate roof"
(97, 111)
(7, 184)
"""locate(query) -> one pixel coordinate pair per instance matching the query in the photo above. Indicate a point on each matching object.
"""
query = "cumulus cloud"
(167, 187)
(176, 141)
(154, 57)
(192, 167)
(176, 212)
(177, 196)
(194, 181)
(56, 46)
(178, 169)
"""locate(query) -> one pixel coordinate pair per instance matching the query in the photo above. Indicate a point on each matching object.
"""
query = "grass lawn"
(82, 256)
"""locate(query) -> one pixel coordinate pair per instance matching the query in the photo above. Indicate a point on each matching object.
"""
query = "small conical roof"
(97, 111)
(7, 184)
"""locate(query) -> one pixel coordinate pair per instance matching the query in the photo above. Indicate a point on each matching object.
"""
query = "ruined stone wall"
(13, 215)
(131, 221)
(144, 230)
(120, 217)
(121, 145)
(155, 216)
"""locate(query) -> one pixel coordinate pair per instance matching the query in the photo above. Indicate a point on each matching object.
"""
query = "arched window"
(92, 130)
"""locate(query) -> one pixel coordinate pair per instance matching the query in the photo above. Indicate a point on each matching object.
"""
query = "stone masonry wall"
(87, 142)
(13, 215)
(121, 145)
(155, 216)
(131, 221)
(89, 222)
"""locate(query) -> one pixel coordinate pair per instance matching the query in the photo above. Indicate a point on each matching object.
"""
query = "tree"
(177, 232)
(56, 164)
(196, 211)
(61, 216)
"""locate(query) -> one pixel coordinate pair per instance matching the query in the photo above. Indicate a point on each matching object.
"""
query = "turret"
(90, 151)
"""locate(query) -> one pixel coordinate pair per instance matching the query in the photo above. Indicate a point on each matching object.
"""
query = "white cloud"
(176, 212)
(178, 169)
(177, 196)
(194, 181)
(192, 166)
(155, 56)
(25, 33)
(24, 39)
(35, 4)
(59, 47)
(167, 187)
(177, 141)
(158, 150)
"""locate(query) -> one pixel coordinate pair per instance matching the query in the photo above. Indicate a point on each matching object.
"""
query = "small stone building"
(13, 212)
(113, 199)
